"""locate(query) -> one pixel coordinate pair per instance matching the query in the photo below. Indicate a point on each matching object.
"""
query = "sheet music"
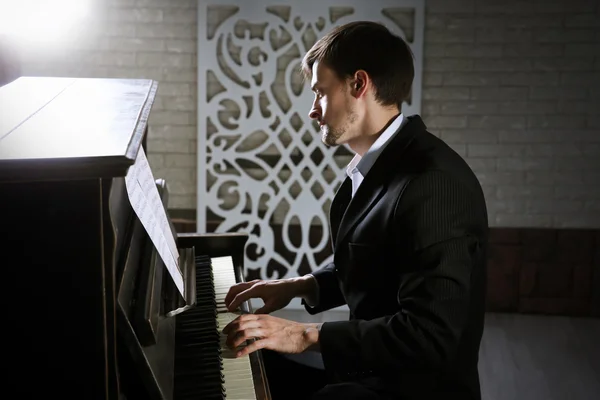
(146, 203)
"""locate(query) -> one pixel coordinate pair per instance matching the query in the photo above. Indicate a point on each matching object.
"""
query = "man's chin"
(329, 140)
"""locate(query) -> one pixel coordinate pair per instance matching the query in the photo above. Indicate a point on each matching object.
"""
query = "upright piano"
(102, 298)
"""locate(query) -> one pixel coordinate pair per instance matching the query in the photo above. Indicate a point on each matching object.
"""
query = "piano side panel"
(109, 249)
(149, 298)
(146, 372)
(145, 368)
(121, 220)
(56, 293)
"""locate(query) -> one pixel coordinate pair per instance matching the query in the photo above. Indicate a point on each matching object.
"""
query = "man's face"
(333, 106)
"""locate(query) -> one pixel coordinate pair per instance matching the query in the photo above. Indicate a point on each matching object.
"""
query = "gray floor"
(529, 357)
(540, 357)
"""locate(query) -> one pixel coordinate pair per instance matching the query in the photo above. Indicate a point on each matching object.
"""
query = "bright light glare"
(41, 20)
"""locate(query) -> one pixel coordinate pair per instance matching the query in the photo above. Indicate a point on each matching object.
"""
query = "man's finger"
(253, 346)
(241, 322)
(244, 335)
(240, 325)
(230, 327)
(243, 296)
(235, 289)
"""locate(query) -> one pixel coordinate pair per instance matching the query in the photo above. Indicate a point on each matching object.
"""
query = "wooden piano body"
(85, 291)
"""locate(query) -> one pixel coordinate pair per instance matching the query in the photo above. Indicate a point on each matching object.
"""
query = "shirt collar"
(363, 164)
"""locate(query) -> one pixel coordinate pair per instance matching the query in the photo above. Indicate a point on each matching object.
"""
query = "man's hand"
(271, 333)
(276, 294)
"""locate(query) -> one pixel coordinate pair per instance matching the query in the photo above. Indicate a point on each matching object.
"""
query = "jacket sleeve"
(443, 222)
(329, 293)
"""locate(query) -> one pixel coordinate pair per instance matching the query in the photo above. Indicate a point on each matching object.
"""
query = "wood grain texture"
(65, 127)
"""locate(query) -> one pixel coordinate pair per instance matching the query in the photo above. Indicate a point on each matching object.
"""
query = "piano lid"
(53, 128)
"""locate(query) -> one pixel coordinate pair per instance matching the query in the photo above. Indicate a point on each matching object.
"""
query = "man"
(409, 231)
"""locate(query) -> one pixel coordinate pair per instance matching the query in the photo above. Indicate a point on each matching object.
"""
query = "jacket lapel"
(363, 200)
(338, 207)
(373, 186)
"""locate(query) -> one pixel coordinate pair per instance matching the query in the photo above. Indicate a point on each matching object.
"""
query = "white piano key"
(239, 384)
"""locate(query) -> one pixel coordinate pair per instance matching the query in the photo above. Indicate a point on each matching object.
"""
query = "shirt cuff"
(316, 298)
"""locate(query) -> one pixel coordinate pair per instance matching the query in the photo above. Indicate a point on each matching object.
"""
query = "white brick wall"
(514, 86)
(153, 39)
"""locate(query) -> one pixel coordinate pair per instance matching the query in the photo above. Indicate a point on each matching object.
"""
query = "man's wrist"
(311, 334)
(306, 287)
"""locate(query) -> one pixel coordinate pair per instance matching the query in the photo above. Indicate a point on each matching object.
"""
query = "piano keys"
(199, 341)
(243, 378)
(91, 309)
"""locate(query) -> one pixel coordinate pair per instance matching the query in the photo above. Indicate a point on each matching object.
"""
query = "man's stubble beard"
(331, 136)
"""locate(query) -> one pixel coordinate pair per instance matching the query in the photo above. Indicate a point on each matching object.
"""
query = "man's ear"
(360, 81)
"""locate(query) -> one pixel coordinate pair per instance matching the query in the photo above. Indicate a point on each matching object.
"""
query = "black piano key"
(200, 319)
(198, 387)
(205, 308)
(200, 340)
(206, 319)
(210, 375)
(195, 394)
(213, 384)
(207, 372)
(192, 386)
(204, 395)
(198, 361)
(200, 352)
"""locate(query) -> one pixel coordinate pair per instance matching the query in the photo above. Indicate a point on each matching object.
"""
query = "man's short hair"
(369, 46)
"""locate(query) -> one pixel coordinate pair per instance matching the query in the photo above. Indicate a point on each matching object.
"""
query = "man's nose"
(314, 114)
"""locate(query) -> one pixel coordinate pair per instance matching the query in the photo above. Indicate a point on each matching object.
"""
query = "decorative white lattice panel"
(262, 167)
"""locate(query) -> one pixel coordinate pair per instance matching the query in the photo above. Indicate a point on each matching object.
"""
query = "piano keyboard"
(204, 367)
(238, 372)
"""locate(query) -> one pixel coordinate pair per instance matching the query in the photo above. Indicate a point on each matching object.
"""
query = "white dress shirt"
(359, 166)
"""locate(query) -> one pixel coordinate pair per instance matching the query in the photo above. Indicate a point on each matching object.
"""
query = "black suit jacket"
(410, 262)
